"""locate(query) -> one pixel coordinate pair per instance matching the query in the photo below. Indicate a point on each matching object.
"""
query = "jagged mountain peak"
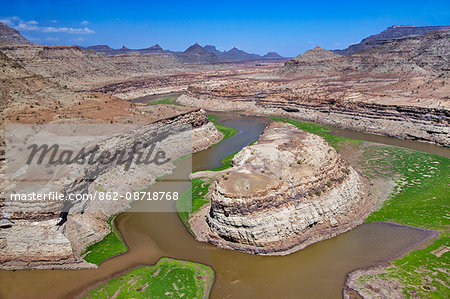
(156, 46)
(195, 48)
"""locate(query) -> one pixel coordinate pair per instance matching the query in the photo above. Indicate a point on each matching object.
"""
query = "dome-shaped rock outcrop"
(283, 193)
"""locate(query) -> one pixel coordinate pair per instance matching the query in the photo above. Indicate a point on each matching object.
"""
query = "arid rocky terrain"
(10, 35)
(399, 87)
(288, 190)
(48, 245)
(33, 91)
(82, 69)
(391, 33)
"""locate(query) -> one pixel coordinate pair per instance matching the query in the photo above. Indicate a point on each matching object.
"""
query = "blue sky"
(288, 27)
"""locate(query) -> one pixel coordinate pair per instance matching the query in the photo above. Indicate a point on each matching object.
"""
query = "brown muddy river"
(315, 272)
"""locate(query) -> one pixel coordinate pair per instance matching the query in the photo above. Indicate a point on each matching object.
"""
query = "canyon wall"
(32, 235)
(399, 121)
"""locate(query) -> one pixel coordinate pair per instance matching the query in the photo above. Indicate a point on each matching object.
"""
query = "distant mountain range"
(108, 50)
(232, 55)
(197, 54)
(209, 53)
(235, 54)
(194, 53)
(393, 32)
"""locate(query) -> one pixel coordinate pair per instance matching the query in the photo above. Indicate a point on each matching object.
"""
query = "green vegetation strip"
(226, 131)
(192, 200)
(420, 198)
(168, 278)
(335, 141)
(423, 273)
(111, 245)
(194, 196)
(171, 100)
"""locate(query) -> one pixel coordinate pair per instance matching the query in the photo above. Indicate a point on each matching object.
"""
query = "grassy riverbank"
(226, 131)
(192, 199)
(194, 196)
(171, 100)
(111, 245)
(168, 278)
(420, 198)
(335, 141)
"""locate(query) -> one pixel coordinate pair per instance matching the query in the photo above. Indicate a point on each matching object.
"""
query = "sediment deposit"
(288, 190)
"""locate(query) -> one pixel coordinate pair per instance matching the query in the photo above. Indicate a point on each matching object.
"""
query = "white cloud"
(10, 20)
(51, 39)
(32, 25)
(54, 21)
(26, 27)
(85, 23)
(68, 30)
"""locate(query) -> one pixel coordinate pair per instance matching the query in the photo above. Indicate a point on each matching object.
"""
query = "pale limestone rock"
(288, 190)
(30, 234)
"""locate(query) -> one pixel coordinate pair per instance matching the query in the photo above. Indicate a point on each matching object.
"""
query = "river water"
(317, 271)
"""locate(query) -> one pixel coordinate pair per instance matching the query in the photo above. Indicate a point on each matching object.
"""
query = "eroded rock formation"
(31, 234)
(399, 89)
(288, 190)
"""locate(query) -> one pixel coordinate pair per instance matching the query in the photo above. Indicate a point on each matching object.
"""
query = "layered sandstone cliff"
(32, 234)
(391, 33)
(288, 190)
(399, 89)
(399, 121)
(420, 55)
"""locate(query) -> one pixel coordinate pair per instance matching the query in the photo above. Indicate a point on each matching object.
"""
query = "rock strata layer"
(398, 121)
(288, 190)
(31, 234)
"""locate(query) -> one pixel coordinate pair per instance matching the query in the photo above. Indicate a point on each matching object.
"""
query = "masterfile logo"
(69, 166)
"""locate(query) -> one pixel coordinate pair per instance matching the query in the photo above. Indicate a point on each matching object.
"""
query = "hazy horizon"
(289, 28)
